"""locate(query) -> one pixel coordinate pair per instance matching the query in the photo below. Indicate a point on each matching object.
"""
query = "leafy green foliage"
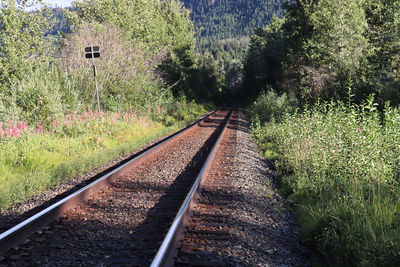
(269, 106)
(338, 41)
(321, 47)
(179, 112)
(156, 24)
(340, 171)
(263, 63)
(22, 42)
(384, 24)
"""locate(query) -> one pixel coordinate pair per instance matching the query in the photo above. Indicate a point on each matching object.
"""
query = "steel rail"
(19, 233)
(169, 247)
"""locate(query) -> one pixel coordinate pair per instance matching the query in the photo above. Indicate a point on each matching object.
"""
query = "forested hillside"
(229, 18)
(223, 28)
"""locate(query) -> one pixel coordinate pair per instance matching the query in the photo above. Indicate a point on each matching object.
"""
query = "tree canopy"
(322, 48)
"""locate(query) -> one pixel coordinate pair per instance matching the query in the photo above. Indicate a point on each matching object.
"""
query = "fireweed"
(35, 158)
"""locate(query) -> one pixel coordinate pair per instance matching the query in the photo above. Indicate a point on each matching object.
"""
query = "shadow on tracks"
(148, 236)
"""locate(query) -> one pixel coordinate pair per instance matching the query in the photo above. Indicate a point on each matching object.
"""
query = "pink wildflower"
(23, 127)
(40, 129)
(15, 131)
(55, 123)
(9, 132)
(90, 113)
(2, 132)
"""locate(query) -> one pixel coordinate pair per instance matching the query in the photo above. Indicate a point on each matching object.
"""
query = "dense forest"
(223, 30)
(225, 19)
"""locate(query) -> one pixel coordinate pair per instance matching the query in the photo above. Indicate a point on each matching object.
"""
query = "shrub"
(37, 98)
(125, 73)
(340, 166)
(270, 106)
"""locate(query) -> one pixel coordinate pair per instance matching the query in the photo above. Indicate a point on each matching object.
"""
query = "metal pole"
(95, 80)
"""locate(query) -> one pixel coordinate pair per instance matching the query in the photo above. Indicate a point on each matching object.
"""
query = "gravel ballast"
(240, 219)
(123, 224)
(264, 229)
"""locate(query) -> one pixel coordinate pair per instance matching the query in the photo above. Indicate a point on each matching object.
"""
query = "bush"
(36, 98)
(270, 106)
(174, 111)
(125, 73)
(341, 167)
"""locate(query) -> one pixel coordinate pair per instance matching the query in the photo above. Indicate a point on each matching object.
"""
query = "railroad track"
(122, 218)
(201, 233)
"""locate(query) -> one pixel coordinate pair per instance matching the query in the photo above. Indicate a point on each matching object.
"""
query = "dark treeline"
(223, 29)
(321, 49)
(226, 18)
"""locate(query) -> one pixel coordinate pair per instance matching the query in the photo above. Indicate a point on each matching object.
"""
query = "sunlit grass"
(34, 161)
(340, 168)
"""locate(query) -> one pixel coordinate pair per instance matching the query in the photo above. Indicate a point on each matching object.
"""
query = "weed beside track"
(35, 159)
(340, 170)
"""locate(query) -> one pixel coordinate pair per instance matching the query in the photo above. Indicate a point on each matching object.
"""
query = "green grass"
(340, 168)
(33, 162)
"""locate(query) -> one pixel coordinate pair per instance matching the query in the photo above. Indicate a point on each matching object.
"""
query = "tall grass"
(33, 159)
(340, 167)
